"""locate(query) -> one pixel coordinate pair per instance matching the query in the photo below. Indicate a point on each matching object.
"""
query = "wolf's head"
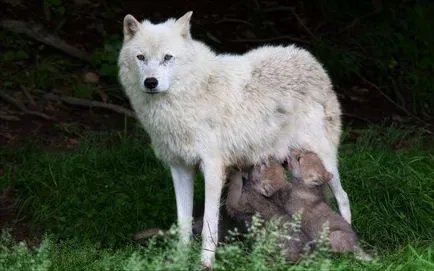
(152, 51)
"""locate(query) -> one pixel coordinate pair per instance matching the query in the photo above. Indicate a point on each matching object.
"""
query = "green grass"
(91, 200)
(103, 192)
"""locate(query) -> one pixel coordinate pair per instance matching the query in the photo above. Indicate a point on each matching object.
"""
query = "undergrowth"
(91, 200)
(165, 254)
(390, 47)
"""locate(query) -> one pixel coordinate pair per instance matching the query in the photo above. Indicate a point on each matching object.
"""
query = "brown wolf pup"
(246, 199)
(306, 194)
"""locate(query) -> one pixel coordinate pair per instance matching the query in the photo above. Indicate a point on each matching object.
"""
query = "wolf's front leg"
(183, 181)
(214, 174)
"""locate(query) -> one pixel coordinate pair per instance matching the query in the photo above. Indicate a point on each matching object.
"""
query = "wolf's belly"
(241, 136)
(259, 143)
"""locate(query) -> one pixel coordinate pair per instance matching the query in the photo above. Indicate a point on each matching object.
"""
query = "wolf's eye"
(167, 57)
(141, 57)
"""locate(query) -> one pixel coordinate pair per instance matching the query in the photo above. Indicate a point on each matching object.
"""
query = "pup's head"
(151, 51)
(268, 178)
(307, 167)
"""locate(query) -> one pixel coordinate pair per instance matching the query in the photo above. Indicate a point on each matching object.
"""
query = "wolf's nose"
(151, 82)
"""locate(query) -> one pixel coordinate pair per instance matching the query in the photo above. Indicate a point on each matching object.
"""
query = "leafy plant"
(105, 58)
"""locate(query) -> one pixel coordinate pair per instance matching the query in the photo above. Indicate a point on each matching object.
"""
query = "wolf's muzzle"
(151, 83)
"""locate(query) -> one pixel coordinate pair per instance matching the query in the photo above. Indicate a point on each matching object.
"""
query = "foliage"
(392, 48)
(105, 58)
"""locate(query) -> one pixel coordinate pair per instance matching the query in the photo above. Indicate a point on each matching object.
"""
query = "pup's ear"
(131, 26)
(184, 24)
(296, 154)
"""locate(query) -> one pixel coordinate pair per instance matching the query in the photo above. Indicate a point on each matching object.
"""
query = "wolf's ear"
(184, 24)
(131, 26)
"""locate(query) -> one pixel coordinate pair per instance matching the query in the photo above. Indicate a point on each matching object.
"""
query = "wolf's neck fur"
(201, 58)
(204, 72)
(202, 87)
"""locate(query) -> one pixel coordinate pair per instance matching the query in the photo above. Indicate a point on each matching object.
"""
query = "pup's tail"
(148, 233)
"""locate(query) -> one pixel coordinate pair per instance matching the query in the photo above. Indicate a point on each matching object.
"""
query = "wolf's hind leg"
(330, 162)
(340, 194)
(327, 152)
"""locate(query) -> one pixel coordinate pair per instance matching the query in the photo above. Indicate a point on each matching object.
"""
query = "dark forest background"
(58, 58)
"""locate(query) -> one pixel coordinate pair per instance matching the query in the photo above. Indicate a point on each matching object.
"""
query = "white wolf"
(218, 111)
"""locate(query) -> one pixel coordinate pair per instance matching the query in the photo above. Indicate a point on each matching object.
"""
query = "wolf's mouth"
(152, 92)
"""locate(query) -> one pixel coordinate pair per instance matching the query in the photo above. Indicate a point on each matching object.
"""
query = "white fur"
(159, 69)
(225, 110)
(183, 182)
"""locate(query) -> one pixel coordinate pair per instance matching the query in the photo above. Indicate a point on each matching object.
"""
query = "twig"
(356, 117)
(102, 94)
(300, 21)
(28, 95)
(13, 101)
(87, 103)
(38, 33)
(22, 107)
(278, 8)
(357, 20)
(228, 20)
(8, 117)
(390, 100)
(319, 25)
(259, 40)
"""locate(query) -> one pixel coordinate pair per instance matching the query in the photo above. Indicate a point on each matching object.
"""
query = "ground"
(30, 67)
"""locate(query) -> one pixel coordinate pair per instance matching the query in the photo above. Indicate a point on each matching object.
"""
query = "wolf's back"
(297, 77)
